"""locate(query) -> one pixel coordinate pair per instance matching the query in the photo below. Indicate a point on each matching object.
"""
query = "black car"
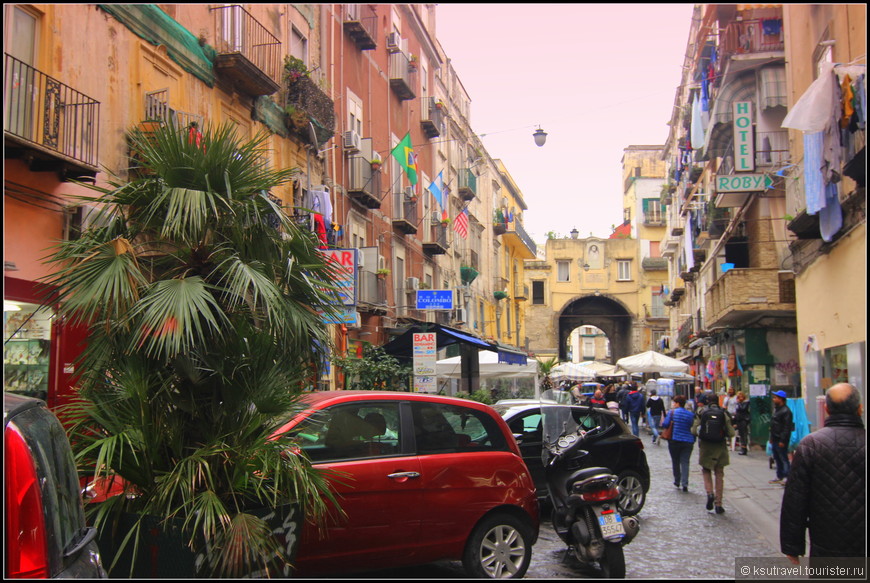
(46, 535)
(615, 448)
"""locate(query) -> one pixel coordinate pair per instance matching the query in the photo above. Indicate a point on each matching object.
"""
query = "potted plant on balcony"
(294, 69)
(382, 273)
(500, 295)
(200, 336)
(412, 63)
(376, 163)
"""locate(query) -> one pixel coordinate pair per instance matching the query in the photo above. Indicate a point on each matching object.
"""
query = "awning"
(403, 345)
(720, 134)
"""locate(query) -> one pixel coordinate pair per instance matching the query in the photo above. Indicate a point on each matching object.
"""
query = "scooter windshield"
(557, 417)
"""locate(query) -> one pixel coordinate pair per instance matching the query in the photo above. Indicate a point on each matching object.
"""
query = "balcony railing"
(467, 184)
(752, 36)
(59, 121)
(247, 53)
(363, 183)
(516, 230)
(432, 117)
(372, 290)
(771, 151)
(400, 76)
(741, 296)
(435, 241)
(361, 23)
(404, 213)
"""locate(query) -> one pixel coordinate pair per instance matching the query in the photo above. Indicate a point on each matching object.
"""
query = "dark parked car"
(46, 535)
(615, 448)
(425, 478)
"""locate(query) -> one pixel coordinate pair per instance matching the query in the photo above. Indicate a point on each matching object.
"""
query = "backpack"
(712, 427)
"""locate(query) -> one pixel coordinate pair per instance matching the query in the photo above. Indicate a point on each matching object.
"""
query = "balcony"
(363, 183)
(751, 37)
(654, 264)
(49, 124)
(247, 53)
(521, 292)
(372, 292)
(467, 188)
(400, 76)
(517, 238)
(433, 117)
(361, 23)
(311, 108)
(404, 213)
(741, 297)
(436, 242)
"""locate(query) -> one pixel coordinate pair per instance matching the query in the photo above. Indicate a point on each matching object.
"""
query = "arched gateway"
(608, 314)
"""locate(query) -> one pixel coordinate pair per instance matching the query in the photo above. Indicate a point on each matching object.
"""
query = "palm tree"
(545, 367)
(202, 300)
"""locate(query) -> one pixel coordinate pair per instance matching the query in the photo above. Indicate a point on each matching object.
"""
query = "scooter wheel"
(612, 561)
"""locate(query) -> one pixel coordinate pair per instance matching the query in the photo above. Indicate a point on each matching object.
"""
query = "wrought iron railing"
(517, 228)
(40, 109)
(752, 36)
(236, 31)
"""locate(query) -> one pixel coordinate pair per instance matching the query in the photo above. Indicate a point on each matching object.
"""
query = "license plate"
(611, 525)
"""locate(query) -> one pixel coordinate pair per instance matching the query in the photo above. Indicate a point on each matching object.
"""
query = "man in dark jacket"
(781, 426)
(635, 404)
(827, 487)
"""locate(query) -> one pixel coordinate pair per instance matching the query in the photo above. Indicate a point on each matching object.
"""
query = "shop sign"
(743, 182)
(744, 145)
(425, 352)
(435, 299)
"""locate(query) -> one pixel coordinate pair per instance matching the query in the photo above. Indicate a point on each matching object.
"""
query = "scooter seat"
(587, 473)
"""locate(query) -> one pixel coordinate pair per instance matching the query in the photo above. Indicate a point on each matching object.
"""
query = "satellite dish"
(312, 138)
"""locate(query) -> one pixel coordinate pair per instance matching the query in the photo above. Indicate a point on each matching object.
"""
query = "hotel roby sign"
(744, 156)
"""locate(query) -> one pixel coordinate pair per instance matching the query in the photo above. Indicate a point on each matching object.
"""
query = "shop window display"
(26, 348)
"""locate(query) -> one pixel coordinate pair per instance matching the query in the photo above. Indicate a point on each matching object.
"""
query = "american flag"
(460, 225)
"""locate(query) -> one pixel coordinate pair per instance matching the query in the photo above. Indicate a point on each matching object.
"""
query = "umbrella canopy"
(651, 361)
(603, 369)
(489, 367)
(571, 371)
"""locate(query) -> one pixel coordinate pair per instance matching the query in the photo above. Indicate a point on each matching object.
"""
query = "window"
(623, 269)
(351, 431)
(354, 113)
(562, 270)
(538, 293)
(652, 211)
(441, 428)
(298, 45)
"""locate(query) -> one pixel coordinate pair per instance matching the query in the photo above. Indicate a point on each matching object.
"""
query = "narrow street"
(678, 538)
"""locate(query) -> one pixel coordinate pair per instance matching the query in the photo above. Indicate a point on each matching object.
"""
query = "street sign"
(435, 299)
(743, 182)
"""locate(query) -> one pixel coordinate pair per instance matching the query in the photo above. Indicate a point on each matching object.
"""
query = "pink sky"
(596, 77)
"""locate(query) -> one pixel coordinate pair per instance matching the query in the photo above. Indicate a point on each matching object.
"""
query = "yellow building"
(830, 268)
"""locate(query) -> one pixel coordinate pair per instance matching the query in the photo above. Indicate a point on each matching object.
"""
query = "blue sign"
(435, 299)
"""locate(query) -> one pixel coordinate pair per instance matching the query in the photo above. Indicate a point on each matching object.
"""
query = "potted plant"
(382, 273)
(376, 163)
(412, 63)
(200, 336)
(500, 295)
(294, 68)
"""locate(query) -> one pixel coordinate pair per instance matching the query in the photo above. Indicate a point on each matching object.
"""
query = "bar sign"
(744, 145)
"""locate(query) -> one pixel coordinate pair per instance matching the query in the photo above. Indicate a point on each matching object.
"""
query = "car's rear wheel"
(500, 547)
(631, 493)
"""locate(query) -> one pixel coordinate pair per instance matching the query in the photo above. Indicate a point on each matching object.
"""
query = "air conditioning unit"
(413, 283)
(352, 142)
(394, 42)
(460, 316)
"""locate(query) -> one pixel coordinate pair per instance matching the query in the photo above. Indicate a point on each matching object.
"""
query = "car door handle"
(403, 475)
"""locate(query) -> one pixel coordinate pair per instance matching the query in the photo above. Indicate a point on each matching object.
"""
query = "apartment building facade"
(740, 247)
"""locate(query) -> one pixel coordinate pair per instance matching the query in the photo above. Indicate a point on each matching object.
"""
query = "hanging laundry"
(848, 97)
(831, 215)
(771, 27)
(813, 180)
(320, 230)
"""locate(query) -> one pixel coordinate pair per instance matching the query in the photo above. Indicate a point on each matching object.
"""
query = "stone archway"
(608, 314)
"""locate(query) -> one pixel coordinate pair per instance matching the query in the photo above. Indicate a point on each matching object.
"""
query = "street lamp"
(575, 233)
(540, 137)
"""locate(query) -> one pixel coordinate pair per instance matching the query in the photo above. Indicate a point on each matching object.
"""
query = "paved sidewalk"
(748, 490)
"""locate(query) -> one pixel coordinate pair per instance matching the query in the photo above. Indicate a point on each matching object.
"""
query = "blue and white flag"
(437, 189)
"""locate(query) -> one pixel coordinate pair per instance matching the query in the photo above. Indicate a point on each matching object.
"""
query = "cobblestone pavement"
(678, 538)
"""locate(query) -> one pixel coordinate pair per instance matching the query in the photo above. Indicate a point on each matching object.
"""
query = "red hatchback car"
(425, 478)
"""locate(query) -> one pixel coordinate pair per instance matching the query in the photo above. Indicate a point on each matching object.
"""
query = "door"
(528, 426)
(20, 104)
(379, 490)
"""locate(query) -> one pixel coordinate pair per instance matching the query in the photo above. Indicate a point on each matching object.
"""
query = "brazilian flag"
(404, 154)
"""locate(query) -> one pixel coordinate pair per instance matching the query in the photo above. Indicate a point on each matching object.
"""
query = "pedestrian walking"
(713, 427)
(781, 426)
(634, 406)
(826, 490)
(598, 400)
(742, 418)
(620, 398)
(682, 441)
(655, 412)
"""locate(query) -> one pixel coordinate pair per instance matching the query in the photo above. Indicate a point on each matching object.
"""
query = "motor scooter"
(584, 500)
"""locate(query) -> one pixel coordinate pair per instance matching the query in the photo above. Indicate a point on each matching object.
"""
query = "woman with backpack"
(682, 441)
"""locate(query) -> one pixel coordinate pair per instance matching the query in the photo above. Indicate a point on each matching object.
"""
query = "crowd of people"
(824, 478)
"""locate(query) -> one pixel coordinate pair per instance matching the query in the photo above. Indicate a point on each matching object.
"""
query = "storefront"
(39, 350)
